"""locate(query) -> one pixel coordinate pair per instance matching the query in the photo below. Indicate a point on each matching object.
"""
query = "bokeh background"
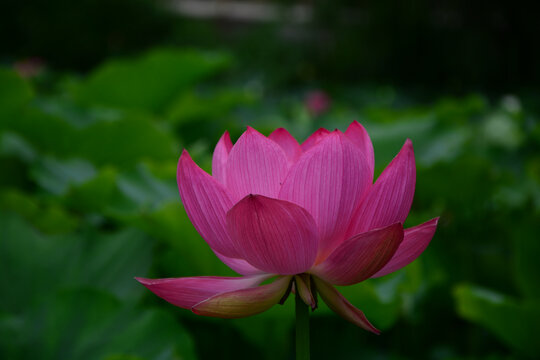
(99, 97)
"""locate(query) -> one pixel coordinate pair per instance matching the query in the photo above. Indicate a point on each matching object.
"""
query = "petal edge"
(415, 241)
(244, 302)
(361, 256)
(337, 303)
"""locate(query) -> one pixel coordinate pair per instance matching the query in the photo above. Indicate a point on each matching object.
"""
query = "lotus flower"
(306, 214)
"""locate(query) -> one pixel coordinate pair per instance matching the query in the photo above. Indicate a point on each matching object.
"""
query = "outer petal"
(187, 292)
(414, 243)
(361, 256)
(389, 199)
(329, 181)
(206, 203)
(256, 165)
(359, 136)
(287, 142)
(273, 235)
(302, 284)
(314, 139)
(342, 307)
(219, 159)
(245, 302)
(239, 265)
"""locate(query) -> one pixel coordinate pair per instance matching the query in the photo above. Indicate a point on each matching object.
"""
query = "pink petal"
(414, 243)
(389, 199)
(287, 142)
(329, 181)
(314, 139)
(273, 235)
(219, 159)
(256, 165)
(244, 302)
(241, 266)
(303, 288)
(206, 202)
(359, 136)
(361, 256)
(189, 291)
(342, 307)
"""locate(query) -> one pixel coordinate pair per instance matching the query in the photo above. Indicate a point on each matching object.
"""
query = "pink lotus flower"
(309, 213)
(317, 102)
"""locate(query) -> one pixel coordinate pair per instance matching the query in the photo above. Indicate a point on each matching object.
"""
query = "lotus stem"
(302, 329)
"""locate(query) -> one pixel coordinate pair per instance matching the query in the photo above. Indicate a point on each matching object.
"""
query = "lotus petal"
(241, 266)
(287, 142)
(206, 202)
(361, 256)
(244, 302)
(220, 157)
(189, 291)
(359, 136)
(303, 288)
(314, 139)
(256, 165)
(389, 199)
(273, 235)
(415, 241)
(329, 182)
(342, 307)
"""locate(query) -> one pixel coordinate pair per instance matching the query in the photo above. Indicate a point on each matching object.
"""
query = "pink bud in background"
(30, 67)
(309, 213)
(317, 102)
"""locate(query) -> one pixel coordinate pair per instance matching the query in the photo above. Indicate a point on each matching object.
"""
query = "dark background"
(454, 46)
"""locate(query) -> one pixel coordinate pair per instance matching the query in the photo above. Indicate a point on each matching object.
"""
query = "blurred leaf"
(88, 324)
(106, 262)
(527, 248)
(143, 188)
(15, 92)
(125, 142)
(41, 131)
(121, 142)
(14, 145)
(517, 324)
(151, 81)
(49, 217)
(192, 106)
(56, 176)
(111, 261)
(95, 194)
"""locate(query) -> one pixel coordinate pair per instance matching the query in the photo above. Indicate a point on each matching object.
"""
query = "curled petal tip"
(337, 303)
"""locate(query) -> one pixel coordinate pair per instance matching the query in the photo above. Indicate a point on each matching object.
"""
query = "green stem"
(302, 328)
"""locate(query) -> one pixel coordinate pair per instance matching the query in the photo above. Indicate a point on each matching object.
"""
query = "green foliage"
(517, 324)
(150, 82)
(14, 92)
